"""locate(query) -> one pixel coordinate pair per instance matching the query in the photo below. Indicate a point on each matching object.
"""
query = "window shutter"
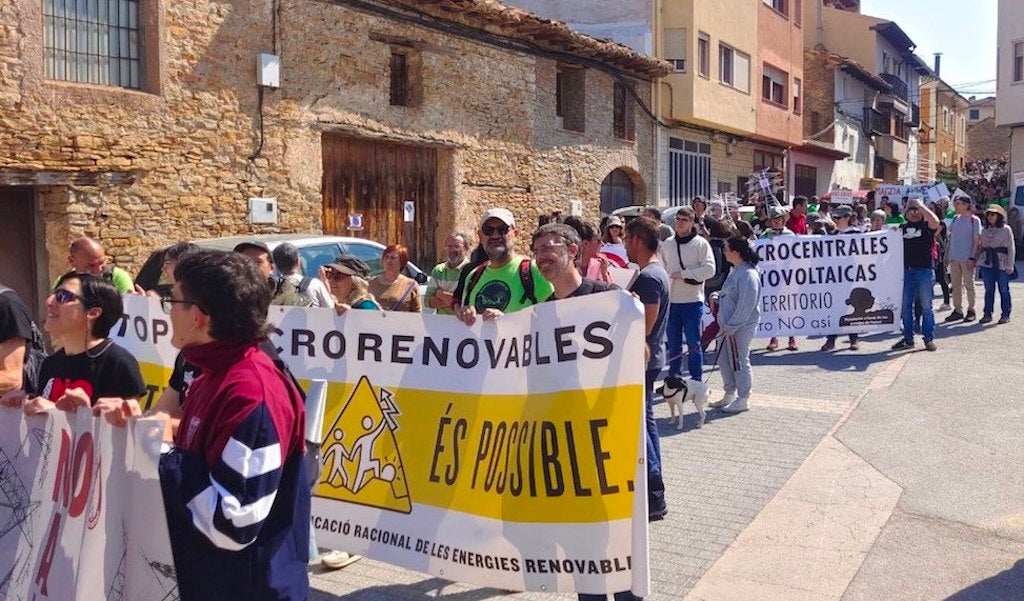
(741, 69)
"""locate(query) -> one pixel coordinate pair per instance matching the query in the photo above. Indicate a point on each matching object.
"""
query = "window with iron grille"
(93, 41)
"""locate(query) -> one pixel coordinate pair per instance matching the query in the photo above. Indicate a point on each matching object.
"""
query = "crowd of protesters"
(218, 302)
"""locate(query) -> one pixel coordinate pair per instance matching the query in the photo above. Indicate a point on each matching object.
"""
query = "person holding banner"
(80, 312)
(996, 258)
(918, 273)
(738, 315)
(445, 276)
(777, 227)
(235, 488)
(346, 277)
(843, 215)
(393, 290)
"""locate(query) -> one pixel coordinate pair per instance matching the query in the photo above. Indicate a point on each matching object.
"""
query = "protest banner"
(841, 197)
(508, 454)
(897, 192)
(817, 285)
(82, 510)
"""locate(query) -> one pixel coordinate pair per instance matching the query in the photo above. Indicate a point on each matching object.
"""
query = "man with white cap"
(505, 282)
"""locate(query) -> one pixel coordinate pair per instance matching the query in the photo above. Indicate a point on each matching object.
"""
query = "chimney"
(938, 64)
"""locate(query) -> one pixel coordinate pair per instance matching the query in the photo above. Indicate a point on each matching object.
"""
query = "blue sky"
(964, 31)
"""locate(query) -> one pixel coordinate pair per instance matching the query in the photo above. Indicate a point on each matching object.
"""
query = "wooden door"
(17, 241)
(374, 180)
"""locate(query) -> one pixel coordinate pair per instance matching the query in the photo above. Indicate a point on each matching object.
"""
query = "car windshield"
(369, 254)
(312, 258)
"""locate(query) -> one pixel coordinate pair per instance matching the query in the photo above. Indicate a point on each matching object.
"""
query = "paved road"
(942, 426)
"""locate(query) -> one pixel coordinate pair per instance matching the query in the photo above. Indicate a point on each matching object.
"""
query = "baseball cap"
(842, 211)
(503, 215)
(255, 244)
(349, 265)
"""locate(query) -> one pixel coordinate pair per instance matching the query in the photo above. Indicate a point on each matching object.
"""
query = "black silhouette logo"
(495, 294)
(861, 301)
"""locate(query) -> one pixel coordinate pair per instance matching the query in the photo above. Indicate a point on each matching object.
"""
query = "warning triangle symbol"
(359, 457)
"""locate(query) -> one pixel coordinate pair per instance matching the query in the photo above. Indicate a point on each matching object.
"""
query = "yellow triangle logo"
(360, 462)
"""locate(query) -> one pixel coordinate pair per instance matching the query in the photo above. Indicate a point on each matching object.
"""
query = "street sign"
(410, 211)
(355, 221)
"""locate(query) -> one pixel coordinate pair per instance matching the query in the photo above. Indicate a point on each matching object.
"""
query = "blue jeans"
(994, 277)
(655, 484)
(684, 319)
(918, 285)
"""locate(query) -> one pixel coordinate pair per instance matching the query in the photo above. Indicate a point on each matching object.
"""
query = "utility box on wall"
(263, 210)
(268, 73)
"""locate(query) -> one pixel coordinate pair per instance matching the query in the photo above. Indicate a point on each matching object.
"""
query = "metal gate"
(689, 171)
(366, 184)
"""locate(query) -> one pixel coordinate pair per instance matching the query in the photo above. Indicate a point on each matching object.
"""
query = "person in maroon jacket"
(234, 484)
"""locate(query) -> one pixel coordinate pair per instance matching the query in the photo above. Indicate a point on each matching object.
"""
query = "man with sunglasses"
(918, 273)
(505, 282)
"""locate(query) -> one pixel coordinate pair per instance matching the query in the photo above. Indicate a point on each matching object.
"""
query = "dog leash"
(718, 356)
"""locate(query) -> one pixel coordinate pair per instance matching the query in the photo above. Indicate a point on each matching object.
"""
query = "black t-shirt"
(588, 287)
(918, 240)
(182, 376)
(185, 373)
(15, 322)
(106, 370)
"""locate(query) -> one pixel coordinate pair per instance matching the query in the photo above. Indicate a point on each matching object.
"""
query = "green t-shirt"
(500, 288)
(120, 279)
(443, 278)
(897, 219)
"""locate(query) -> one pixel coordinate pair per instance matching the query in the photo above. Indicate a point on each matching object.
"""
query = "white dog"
(679, 390)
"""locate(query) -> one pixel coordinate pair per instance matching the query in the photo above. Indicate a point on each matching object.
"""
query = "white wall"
(625, 21)
(851, 98)
(1009, 96)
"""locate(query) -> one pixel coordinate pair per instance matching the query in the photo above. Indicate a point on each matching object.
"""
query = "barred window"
(93, 41)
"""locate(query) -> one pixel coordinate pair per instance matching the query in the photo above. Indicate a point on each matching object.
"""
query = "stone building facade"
(474, 124)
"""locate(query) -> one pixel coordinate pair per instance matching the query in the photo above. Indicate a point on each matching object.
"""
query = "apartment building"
(886, 50)
(1010, 89)
(943, 132)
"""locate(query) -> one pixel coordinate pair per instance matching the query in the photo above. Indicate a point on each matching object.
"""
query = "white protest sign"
(841, 197)
(1018, 179)
(508, 454)
(83, 513)
(816, 285)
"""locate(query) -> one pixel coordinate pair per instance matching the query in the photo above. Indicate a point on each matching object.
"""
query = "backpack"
(289, 294)
(525, 277)
(35, 353)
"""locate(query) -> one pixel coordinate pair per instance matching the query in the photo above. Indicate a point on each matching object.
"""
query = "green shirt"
(500, 288)
(898, 219)
(444, 278)
(119, 278)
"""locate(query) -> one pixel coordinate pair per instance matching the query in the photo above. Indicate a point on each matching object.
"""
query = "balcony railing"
(875, 123)
(899, 86)
(892, 149)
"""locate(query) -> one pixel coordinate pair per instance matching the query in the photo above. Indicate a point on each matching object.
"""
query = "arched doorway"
(617, 191)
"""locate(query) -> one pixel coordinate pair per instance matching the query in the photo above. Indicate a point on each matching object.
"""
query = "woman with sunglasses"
(613, 249)
(346, 279)
(80, 312)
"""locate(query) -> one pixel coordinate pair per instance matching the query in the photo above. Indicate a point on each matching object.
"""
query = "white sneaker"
(336, 560)
(737, 406)
(944, 307)
(728, 398)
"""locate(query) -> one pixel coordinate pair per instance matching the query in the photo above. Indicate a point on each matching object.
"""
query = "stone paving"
(718, 478)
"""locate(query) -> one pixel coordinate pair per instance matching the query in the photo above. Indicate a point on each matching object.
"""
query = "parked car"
(315, 251)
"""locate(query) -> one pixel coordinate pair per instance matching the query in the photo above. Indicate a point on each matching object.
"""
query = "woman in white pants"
(738, 316)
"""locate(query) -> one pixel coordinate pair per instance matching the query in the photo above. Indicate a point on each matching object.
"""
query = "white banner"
(508, 454)
(896, 192)
(82, 514)
(845, 284)
(841, 197)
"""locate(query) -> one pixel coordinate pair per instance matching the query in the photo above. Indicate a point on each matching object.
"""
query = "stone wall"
(985, 140)
(178, 160)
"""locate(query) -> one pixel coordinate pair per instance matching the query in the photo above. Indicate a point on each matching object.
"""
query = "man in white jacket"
(689, 261)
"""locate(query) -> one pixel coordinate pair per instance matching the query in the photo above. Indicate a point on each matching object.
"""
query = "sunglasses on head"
(489, 230)
(63, 296)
